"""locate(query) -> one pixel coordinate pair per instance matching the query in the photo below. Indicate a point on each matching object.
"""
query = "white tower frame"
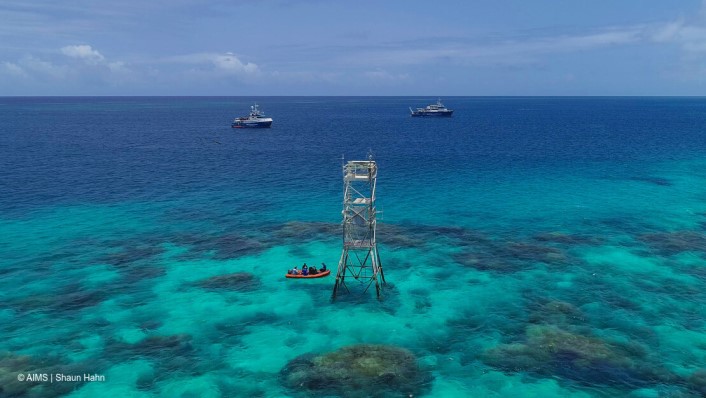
(360, 258)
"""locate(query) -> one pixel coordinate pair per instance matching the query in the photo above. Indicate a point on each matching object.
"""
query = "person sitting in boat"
(323, 269)
(305, 269)
(294, 271)
(313, 270)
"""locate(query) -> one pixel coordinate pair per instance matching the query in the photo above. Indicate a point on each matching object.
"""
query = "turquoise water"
(532, 246)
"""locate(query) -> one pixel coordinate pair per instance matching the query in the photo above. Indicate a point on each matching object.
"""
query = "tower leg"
(340, 272)
(382, 274)
(335, 289)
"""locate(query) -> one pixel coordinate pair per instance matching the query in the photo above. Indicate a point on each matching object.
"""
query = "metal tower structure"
(360, 258)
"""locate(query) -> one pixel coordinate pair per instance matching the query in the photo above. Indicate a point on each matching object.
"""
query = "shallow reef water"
(524, 254)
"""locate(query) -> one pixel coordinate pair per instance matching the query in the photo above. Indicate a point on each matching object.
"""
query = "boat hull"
(319, 275)
(432, 114)
(249, 124)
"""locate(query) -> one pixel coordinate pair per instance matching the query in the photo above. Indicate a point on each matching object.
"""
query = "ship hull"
(432, 114)
(251, 124)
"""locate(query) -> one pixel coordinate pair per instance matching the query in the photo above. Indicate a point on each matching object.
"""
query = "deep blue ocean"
(532, 247)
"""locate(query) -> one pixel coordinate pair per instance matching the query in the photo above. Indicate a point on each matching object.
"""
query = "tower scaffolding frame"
(360, 252)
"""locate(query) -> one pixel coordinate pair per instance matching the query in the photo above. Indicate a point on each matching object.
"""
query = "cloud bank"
(391, 63)
(227, 63)
(85, 53)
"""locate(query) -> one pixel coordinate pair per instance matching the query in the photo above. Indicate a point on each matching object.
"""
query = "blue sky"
(332, 47)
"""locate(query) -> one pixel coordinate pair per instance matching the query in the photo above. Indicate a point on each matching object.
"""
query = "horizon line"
(347, 96)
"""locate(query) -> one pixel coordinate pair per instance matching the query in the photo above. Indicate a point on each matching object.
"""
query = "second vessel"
(437, 109)
(256, 119)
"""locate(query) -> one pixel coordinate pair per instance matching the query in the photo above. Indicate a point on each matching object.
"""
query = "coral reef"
(300, 230)
(12, 364)
(552, 351)
(357, 371)
(556, 313)
(510, 256)
(239, 281)
(220, 247)
(567, 239)
(697, 381)
(670, 243)
(131, 254)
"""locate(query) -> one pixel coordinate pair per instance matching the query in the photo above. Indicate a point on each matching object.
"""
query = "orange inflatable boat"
(319, 275)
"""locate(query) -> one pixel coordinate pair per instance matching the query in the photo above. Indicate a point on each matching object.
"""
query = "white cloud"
(85, 53)
(44, 68)
(691, 38)
(54, 68)
(494, 51)
(602, 39)
(13, 69)
(117, 67)
(95, 62)
(667, 32)
(231, 63)
(227, 63)
(689, 35)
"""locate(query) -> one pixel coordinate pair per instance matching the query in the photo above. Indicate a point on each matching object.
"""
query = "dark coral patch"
(396, 236)
(394, 240)
(484, 262)
(510, 256)
(567, 239)
(152, 346)
(12, 365)
(221, 247)
(78, 299)
(670, 243)
(131, 254)
(357, 371)
(464, 235)
(418, 236)
(556, 313)
(697, 381)
(70, 299)
(531, 252)
(239, 281)
(231, 246)
(551, 351)
(170, 353)
(135, 274)
(306, 231)
(390, 235)
(150, 324)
